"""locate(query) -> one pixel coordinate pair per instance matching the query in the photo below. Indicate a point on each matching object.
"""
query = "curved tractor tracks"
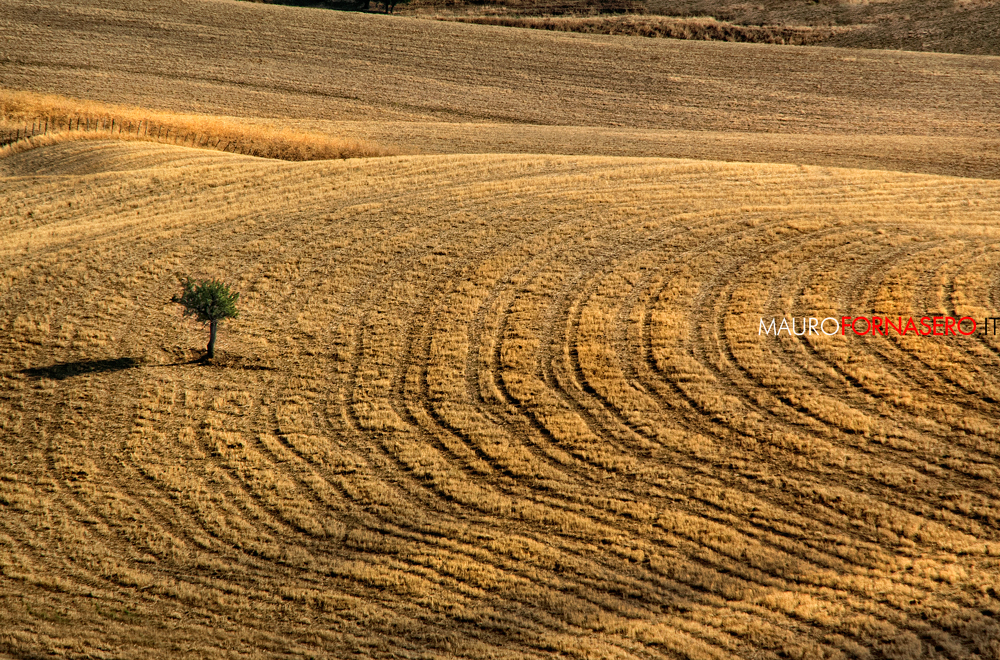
(499, 406)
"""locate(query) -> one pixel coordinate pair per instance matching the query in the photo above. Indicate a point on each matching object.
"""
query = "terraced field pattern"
(500, 405)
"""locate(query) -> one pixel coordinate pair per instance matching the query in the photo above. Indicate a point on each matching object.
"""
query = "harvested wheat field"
(502, 384)
(539, 92)
(493, 407)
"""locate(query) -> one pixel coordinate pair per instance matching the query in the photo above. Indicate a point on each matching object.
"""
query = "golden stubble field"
(494, 405)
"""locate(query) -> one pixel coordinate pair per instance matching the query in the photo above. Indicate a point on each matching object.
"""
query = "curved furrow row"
(506, 406)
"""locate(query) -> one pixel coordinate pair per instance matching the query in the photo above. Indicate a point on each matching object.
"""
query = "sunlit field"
(494, 407)
(484, 403)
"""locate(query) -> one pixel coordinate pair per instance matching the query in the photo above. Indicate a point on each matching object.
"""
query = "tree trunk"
(214, 325)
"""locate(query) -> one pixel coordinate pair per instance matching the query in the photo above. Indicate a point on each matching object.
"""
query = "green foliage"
(207, 300)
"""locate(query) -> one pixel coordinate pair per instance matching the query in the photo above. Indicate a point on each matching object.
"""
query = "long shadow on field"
(65, 370)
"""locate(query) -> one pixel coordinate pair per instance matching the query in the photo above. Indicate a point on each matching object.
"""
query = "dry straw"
(61, 118)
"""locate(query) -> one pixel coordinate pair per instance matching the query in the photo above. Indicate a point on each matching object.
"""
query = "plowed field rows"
(504, 406)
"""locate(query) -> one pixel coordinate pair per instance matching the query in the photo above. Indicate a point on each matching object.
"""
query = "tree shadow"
(65, 370)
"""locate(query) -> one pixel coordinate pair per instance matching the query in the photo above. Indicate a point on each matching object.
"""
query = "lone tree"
(209, 301)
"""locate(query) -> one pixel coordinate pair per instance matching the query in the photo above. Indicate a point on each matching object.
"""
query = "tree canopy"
(209, 301)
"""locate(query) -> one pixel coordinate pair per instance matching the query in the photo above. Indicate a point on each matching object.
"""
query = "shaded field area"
(947, 26)
(944, 26)
(642, 25)
(493, 407)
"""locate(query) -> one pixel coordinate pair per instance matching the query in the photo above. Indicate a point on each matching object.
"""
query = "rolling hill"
(494, 406)
(508, 393)
(718, 101)
(945, 26)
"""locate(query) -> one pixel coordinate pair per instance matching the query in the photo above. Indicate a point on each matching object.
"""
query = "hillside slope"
(946, 26)
(493, 407)
(943, 26)
(235, 58)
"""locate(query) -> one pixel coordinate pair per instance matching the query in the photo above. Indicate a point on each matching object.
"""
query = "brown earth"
(944, 26)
